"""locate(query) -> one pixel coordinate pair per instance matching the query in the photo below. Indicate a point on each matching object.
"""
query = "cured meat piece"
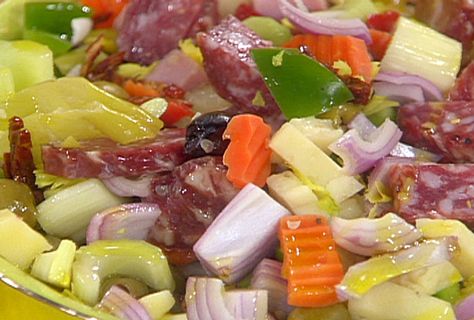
(231, 69)
(464, 87)
(103, 158)
(190, 198)
(436, 191)
(454, 18)
(444, 128)
(153, 28)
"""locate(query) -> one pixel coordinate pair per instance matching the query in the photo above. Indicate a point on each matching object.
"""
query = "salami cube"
(463, 89)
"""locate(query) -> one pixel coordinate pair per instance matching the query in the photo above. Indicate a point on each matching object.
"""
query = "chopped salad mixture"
(251, 160)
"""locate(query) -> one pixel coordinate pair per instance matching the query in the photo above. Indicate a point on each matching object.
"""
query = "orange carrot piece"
(329, 49)
(380, 42)
(140, 89)
(311, 263)
(248, 156)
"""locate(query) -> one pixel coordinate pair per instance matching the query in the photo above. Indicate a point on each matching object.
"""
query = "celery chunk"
(7, 84)
(104, 259)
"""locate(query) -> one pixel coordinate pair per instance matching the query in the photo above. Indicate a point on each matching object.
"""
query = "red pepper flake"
(19, 164)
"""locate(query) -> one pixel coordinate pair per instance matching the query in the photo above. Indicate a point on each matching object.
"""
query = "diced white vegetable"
(422, 51)
(320, 131)
(158, 304)
(81, 27)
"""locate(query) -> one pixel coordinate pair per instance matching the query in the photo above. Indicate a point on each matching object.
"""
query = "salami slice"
(153, 28)
(231, 69)
(190, 198)
(103, 158)
(463, 89)
(436, 191)
(444, 128)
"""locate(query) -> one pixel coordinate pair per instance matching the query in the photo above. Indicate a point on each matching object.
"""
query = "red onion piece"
(324, 25)
(122, 305)
(316, 5)
(365, 128)
(206, 299)
(403, 93)
(430, 90)
(465, 309)
(124, 187)
(358, 154)
(128, 221)
(268, 8)
(368, 237)
(179, 69)
(244, 233)
(267, 276)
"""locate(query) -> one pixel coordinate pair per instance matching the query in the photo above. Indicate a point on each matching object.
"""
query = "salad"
(251, 160)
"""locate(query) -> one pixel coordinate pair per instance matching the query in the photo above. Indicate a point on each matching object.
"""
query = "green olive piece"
(18, 198)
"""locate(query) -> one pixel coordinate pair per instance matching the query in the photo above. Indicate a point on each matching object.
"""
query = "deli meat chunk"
(190, 198)
(152, 28)
(231, 69)
(444, 128)
(463, 89)
(436, 191)
(103, 158)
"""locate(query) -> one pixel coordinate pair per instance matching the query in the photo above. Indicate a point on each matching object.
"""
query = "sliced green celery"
(103, 259)
(158, 304)
(7, 84)
(56, 267)
(29, 62)
(269, 29)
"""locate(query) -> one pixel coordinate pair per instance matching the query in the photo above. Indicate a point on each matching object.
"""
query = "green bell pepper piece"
(54, 17)
(301, 86)
(57, 45)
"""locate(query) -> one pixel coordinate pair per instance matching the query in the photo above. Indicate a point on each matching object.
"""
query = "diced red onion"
(206, 299)
(316, 5)
(368, 237)
(268, 8)
(179, 69)
(358, 154)
(324, 25)
(244, 233)
(366, 128)
(465, 309)
(124, 187)
(267, 276)
(128, 221)
(403, 93)
(122, 305)
(430, 90)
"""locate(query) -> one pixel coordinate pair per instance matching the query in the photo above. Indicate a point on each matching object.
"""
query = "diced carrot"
(311, 263)
(140, 89)
(248, 156)
(329, 49)
(380, 42)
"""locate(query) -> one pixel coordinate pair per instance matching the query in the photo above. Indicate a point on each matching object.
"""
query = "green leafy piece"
(301, 86)
(269, 29)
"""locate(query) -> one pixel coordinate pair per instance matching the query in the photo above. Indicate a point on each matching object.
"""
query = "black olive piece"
(204, 135)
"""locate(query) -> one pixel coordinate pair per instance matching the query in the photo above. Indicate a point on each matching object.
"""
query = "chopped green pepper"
(54, 17)
(57, 45)
(301, 86)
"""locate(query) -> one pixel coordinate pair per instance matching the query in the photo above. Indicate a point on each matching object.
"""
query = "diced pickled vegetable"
(320, 131)
(422, 51)
(464, 259)
(19, 243)
(335, 312)
(73, 107)
(29, 62)
(269, 29)
(56, 267)
(7, 84)
(390, 301)
(432, 279)
(18, 198)
(157, 304)
(300, 153)
(134, 259)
